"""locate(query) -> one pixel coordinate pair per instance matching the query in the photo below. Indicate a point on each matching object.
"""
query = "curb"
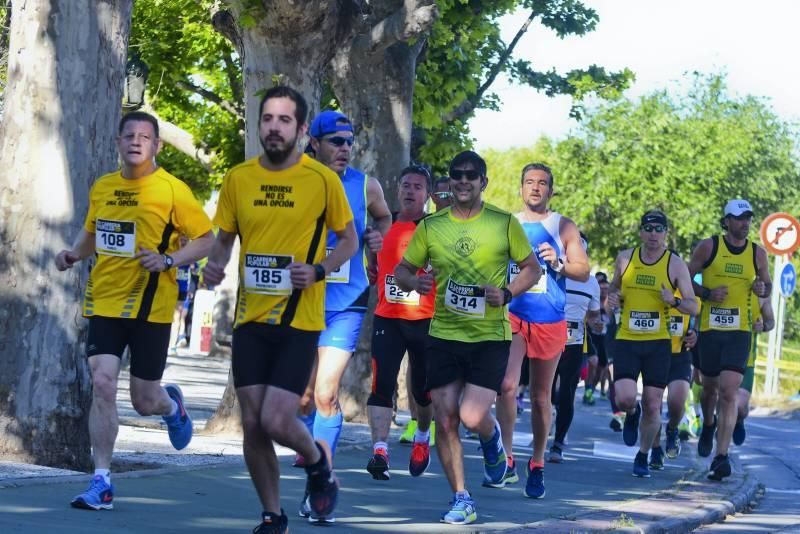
(692, 502)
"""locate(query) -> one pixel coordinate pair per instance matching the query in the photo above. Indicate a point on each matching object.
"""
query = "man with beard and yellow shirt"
(135, 217)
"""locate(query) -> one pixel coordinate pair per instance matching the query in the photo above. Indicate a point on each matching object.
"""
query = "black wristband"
(507, 296)
(319, 271)
(705, 293)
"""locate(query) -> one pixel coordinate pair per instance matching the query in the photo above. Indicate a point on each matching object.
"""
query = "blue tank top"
(346, 288)
(545, 301)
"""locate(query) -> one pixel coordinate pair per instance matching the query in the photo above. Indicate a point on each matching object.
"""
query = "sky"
(755, 43)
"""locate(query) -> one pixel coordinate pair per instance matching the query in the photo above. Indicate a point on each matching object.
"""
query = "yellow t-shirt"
(644, 314)
(737, 270)
(149, 212)
(281, 217)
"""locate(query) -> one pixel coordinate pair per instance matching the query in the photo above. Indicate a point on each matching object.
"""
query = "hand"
(213, 273)
(690, 339)
(760, 288)
(758, 325)
(547, 253)
(373, 239)
(424, 282)
(302, 275)
(372, 273)
(596, 325)
(66, 259)
(667, 295)
(151, 261)
(718, 294)
(494, 296)
(613, 299)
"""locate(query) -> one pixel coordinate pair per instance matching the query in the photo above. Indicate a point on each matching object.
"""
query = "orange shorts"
(543, 341)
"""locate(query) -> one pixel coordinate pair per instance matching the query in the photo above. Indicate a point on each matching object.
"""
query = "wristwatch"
(319, 271)
(677, 302)
(705, 293)
(168, 262)
(559, 266)
(507, 296)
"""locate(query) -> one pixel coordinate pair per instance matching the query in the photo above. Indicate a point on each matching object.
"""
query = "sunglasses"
(443, 195)
(470, 175)
(657, 228)
(339, 141)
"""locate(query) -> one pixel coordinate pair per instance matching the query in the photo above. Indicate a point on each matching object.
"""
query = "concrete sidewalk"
(207, 488)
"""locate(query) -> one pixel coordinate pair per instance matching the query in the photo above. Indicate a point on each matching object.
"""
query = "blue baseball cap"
(328, 122)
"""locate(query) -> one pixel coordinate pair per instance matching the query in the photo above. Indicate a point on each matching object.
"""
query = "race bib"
(644, 322)
(724, 318)
(115, 238)
(538, 287)
(469, 301)
(572, 332)
(182, 275)
(676, 326)
(395, 295)
(267, 274)
(340, 275)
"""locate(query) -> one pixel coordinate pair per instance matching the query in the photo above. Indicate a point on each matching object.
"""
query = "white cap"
(737, 207)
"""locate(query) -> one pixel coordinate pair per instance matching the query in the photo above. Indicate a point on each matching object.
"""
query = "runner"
(280, 205)
(683, 337)
(732, 268)
(347, 288)
(401, 323)
(598, 337)
(442, 198)
(763, 321)
(582, 308)
(132, 226)
(538, 319)
(645, 279)
(468, 246)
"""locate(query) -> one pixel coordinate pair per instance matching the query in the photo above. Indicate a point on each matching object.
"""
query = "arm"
(762, 286)
(407, 279)
(194, 250)
(218, 258)
(381, 216)
(304, 275)
(82, 248)
(576, 266)
(615, 287)
(767, 315)
(529, 273)
(679, 272)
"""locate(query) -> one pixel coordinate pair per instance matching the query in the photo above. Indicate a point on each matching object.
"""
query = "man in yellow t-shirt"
(135, 217)
(280, 205)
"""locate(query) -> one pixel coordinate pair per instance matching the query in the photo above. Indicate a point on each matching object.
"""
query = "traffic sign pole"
(773, 348)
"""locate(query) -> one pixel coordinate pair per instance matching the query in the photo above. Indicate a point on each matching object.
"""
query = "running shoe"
(657, 458)
(272, 524)
(555, 456)
(494, 460)
(616, 421)
(432, 442)
(462, 512)
(321, 519)
(408, 434)
(299, 461)
(706, 442)
(603, 395)
(305, 511)
(511, 472)
(630, 429)
(469, 434)
(520, 405)
(305, 508)
(640, 468)
(378, 465)
(179, 426)
(98, 496)
(672, 442)
(739, 432)
(534, 487)
(420, 458)
(720, 468)
(322, 486)
(588, 397)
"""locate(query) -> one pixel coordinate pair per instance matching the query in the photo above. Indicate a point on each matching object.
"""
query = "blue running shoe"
(494, 461)
(673, 443)
(630, 428)
(99, 496)
(462, 512)
(534, 488)
(322, 486)
(739, 432)
(640, 468)
(179, 426)
(657, 459)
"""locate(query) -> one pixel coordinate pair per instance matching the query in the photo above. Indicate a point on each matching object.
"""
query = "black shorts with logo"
(651, 358)
(482, 363)
(273, 355)
(680, 367)
(723, 351)
(148, 342)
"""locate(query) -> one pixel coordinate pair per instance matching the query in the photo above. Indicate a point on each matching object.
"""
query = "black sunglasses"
(470, 175)
(339, 141)
(657, 228)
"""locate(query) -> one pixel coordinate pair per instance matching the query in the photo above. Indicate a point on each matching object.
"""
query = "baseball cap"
(737, 207)
(326, 123)
(654, 217)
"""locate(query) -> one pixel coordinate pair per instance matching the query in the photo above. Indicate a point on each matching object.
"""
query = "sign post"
(780, 234)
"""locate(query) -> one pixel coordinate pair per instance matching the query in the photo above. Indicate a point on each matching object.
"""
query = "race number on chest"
(538, 287)
(340, 275)
(267, 274)
(115, 238)
(395, 295)
(724, 318)
(644, 322)
(468, 301)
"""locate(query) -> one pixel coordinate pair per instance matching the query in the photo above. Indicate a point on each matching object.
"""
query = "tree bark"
(65, 80)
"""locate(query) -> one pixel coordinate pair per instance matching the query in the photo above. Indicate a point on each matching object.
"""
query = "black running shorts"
(148, 343)
(651, 358)
(723, 351)
(482, 363)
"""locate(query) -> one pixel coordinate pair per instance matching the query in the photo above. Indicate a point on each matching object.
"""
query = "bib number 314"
(467, 301)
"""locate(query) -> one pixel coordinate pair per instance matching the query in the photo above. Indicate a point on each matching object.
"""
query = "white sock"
(105, 473)
(174, 409)
(422, 437)
(381, 445)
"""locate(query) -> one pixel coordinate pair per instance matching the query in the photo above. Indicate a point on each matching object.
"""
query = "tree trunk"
(62, 106)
